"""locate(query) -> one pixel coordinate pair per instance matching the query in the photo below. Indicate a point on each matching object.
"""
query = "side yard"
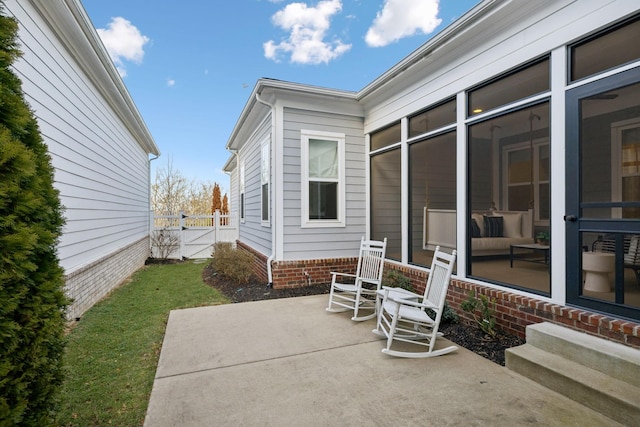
(113, 351)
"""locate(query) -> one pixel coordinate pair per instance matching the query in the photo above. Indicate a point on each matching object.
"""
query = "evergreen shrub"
(32, 301)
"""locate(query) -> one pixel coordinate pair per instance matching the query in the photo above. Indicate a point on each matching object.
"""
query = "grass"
(113, 351)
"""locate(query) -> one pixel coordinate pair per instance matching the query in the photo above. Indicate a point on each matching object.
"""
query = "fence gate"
(189, 236)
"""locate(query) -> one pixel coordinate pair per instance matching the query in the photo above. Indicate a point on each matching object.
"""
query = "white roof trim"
(264, 83)
(455, 29)
(71, 24)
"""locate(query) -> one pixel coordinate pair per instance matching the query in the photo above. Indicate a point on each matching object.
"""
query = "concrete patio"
(288, 362)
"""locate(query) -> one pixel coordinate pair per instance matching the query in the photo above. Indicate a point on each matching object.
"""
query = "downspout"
(273, 217)
(237, 218)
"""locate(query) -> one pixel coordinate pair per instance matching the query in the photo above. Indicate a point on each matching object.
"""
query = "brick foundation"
(259, 262)
(291, 274)
(513, 312)
(91, 283)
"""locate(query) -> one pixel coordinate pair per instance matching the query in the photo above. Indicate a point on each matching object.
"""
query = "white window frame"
(536, 175)
(243, 204)
(265, 179)
(339, 138)
(617, 175)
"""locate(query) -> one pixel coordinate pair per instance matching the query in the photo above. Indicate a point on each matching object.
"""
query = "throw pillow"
(475, 228)
(512, 224)
(493, 226)
(480, 222)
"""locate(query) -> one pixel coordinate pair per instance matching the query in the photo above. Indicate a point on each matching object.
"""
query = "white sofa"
(440, 230)
(517, 230)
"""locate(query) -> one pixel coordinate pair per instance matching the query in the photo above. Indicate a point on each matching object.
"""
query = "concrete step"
(586, 369)
(616, 360)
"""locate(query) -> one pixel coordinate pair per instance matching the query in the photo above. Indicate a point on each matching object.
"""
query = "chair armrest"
(413, 303)
(399, 293)
(334, 273)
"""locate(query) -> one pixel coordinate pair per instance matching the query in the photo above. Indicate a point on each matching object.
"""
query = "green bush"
(449, 315)
(481, 310)
(232, 264)
(395, 279)
(32, 301)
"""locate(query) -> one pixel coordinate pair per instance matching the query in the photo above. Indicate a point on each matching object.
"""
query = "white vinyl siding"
(252, 232)
(318, 243)
(101, 170)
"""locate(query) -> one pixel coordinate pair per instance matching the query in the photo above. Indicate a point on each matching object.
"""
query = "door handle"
(570, 218)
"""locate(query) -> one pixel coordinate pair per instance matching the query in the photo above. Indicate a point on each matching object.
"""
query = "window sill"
(323, 224)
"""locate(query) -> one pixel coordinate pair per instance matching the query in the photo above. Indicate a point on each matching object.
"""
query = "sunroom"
(524, 158)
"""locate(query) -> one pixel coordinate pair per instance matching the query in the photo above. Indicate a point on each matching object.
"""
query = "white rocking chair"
(413, 318)
(360, 291)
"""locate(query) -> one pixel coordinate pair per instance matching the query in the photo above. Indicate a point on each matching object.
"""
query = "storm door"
(603, 195)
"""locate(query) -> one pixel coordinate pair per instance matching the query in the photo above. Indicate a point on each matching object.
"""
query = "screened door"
(603, 195)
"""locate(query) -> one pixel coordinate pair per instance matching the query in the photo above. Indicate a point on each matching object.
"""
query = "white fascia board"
(231, 164)
(271, 90)
(454, 30)
(71, 24)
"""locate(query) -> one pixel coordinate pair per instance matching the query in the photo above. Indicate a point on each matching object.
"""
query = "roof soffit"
(70, 23)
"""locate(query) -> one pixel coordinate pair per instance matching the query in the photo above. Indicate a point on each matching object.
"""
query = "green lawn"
(113, 351)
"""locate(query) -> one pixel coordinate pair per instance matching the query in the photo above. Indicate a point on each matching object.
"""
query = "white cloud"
(307, 27)
(124, 42)
(171, 82)
(402, 18)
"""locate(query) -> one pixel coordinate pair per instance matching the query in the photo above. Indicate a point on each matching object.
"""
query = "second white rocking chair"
(358, 291)
(413, 318)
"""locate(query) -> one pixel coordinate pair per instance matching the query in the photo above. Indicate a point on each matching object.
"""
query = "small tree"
(169, 190)
(225, 209)
(216, 202)
(32, 301)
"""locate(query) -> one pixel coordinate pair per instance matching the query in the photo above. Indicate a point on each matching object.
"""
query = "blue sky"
(190, 66)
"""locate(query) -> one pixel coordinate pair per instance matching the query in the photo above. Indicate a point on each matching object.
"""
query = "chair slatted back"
(371, 260)
(631, 247)
(632, 257)
(439, 278)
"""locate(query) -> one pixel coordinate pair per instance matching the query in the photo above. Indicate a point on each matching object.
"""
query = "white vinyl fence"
(190, 236)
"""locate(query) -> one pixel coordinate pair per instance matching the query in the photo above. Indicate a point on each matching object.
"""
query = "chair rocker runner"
(357, 291)
(413, 318)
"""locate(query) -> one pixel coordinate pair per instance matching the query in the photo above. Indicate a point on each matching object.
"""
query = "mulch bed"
(467, 336)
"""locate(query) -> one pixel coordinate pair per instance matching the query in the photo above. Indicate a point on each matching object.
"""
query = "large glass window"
(527, 178)
(509, 199)
(433, 118)
(610, 154)
(525, 82)
(323, 185)
(605, 51)
(242, 191)
(432, 180)
(386, 201)
(385, 137)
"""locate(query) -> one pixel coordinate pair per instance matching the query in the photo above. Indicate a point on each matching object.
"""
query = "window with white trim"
(527, 179)
(323, 190)
(242, 204)
(264, 182)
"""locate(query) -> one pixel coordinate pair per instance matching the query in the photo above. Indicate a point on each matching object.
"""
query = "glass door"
(603, 195)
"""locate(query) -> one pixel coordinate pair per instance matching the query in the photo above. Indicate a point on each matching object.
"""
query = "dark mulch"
(467, 336)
